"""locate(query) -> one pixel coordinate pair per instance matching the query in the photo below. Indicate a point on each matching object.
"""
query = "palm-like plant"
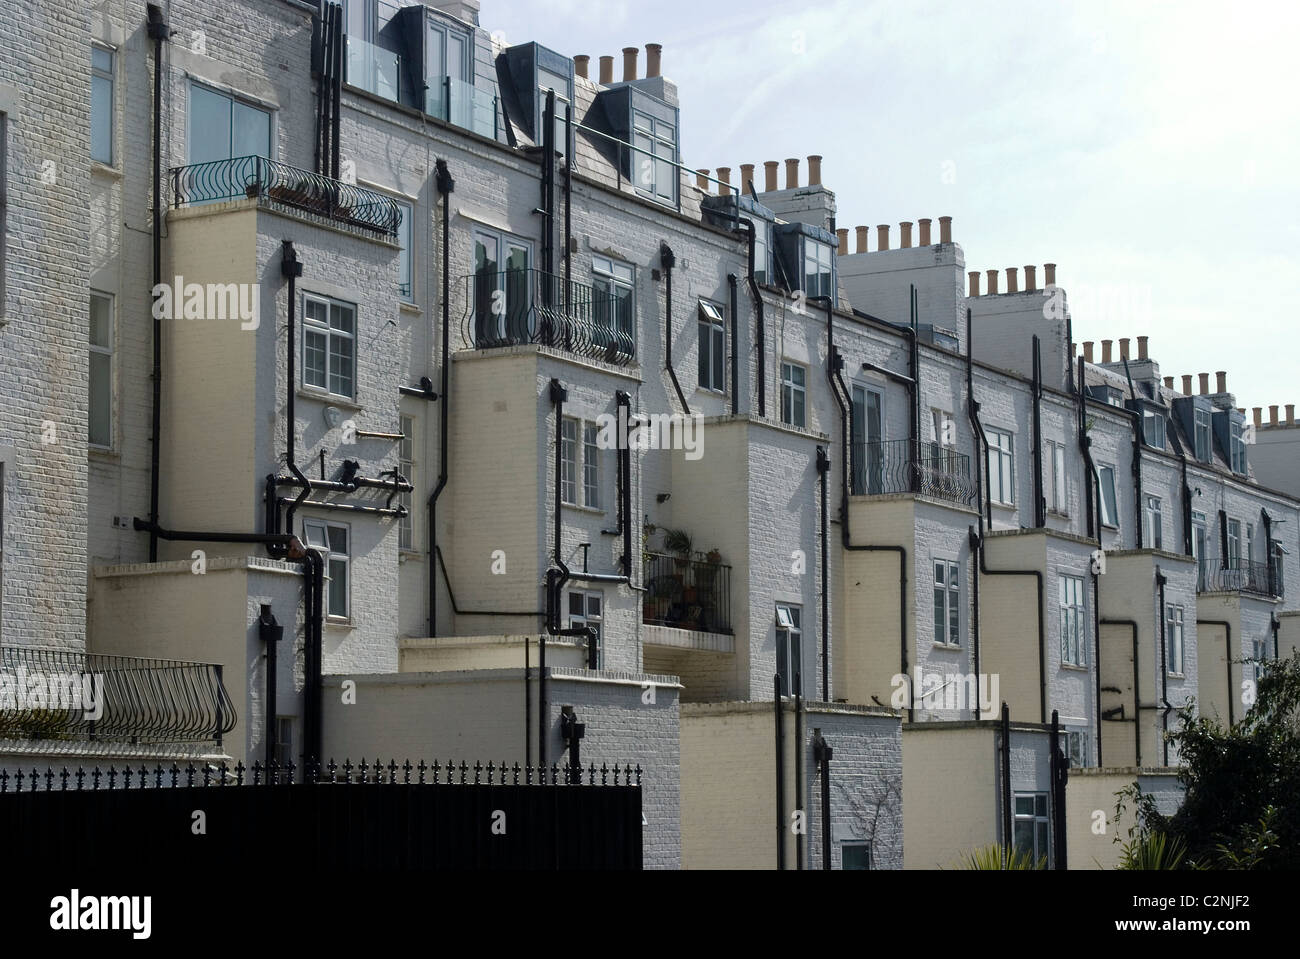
(1152, 850)
(997, 856)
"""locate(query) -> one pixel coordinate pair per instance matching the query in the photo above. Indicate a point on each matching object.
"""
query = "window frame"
(587, 618)
(1005, 455)
(713, 330)
(331, 556)
(1154, 418)
(331, 334)
(109, 75)
(1077, 745)
(1176, 638)
(110, 352)
(234, 98)
(814, 252)
(643, 158)
(1072, 606)
(862, 844)
(1232, 558)
(1040, 824)
(789, 648)
(1201, 428)
(950, 603)
(1153, 522)
(789, 389)
(1236, 448)
(1109, 508)
(406, 466)
(1060, 503)
(575, 463)
(591, 465)
(620, 278)
(505, 324)
(406, 252)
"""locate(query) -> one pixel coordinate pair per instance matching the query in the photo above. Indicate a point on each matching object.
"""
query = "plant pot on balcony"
(253, 190)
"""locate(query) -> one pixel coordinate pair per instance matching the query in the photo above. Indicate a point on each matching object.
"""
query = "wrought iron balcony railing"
(515, 307)
(1237, 575)
(890, 466)
(279, 184)
(57, 694)
(686, 593)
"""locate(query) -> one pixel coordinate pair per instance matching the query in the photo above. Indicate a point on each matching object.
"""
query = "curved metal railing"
(68, 695)
(890, 466)
(516, 307)
(279, 184)
(1236, 575)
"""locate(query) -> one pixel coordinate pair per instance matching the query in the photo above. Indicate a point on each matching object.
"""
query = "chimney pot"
(862, 238)
(905, 236)
(653, 58)
(974, 276)
(1258, 414)
(1272, 415)
(1105, 350)
(1123, 347)
(882, 237)
(1013, 284)
(746, 177)
(842, 234)
(629, 63)
(769, 175)
(945, 229)
(925, 231)
(1221, 381)
(1087, 350)
(993, 281)
(1204, 379)
(1049, 274)
(1169, 382)
(814, 170)
(791, 172)
(702, 179)
(606, 70)
(1290, 414)
(580, 64)
(1031, 279)
(724, 175)
(1187, 384)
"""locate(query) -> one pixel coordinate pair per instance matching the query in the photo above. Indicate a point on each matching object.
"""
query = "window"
(331, 540)
(590, 466)
(445, 53)
(1198, 547)
(793, 395)
(101, 105)
(1074, 642)
(569, 461)
(613, 307)
(789, 654)
(1153, 429)
(1250, 542)
(1153, 524)
(1238, 448)
(1202, 437)
(1275, 564)
(222, 128)
(406, 466)
(1059, 503)
(328, 345)
(101, 370)
(1174, 639)
(947, 602)
(713, 348)
(502, 297)
(866, 423)
(1259, 653)
(283, 741)
(762, 251)
(1109, 512)
(1232, 559)
(1031, 824)
(563, 87)
(1076, 747)
(586, 609)
(818, 268)
(1002, 467)
(855, 854)
(1114, 397)
(405, 288)
(655, 156)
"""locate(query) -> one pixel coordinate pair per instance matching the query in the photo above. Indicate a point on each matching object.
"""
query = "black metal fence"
(1237, 575)
(891, 466)
(63, 695)
(279, 184)
(517, 307)
(364, 816)
(686, 593)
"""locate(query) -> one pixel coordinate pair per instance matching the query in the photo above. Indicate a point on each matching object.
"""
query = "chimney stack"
(791, 172)
(724, 176)
(925, 231)
(1221, 381)
(842, 234)
(746, 177)
(1142, 347)
(1187, 384)
(606, 70)
(580, 65)
(882, 237)
(1272, 415)
(974, 276)
(862, 238)
(702, 179)
(1087, 351)
(1123, 347)
(1049, 274)
(653, 59)
(1169, 382)
(814, 170)
(1204, 379)
(945, 229)
(1013, 283)
(1031, 279)
(905, 235)
(769, 175)
(1290, 414)
(992, 276)
(1258, 414)
(1105, 350)
(629, 63)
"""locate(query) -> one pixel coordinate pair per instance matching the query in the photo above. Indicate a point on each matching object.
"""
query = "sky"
(1151, 149)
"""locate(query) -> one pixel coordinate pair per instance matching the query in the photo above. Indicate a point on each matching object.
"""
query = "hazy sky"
(1150, 149)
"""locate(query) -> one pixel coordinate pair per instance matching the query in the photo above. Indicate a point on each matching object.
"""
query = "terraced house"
(412, 397)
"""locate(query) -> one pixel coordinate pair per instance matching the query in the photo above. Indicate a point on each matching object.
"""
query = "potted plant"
(679, 541)
(252, 188)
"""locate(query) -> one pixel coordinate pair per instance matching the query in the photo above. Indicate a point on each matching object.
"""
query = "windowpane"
(569, 461)
(101, 399)
(1109, 513)
(590, 466)
(404, 257)
(209, 125)
(101, 319)
(338, 587)
(406, 465)
(101, 118)
(250, 131)
(313, 373)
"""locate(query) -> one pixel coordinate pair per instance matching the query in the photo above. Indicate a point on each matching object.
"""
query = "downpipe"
(667, 260)
(446, 186)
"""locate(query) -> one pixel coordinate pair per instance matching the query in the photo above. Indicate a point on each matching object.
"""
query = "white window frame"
(1201, 428)
(1176, 638)
(789, 390)
(504, 244)
(1060, 488)
(590, 465)
(615, 278)
(406, 466)
(1233, 559)
(332, 335)
(651, 143)
(1004, 491)
(589, 618)
(1073, 608)
(108, 74)
(1153, 532)
(946, 601)
(1036, 819)
(316, 534)
(713, 337)
(406, 256)
(1077, 747)
(1153, 422)
(1109, 509)
(820, 257)
(789, 647)
(570, 429)
(108, 351)
(1236, 448)
(580, 463)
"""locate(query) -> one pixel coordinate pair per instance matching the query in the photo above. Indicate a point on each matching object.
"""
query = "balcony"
(1237, 575)
(686, 593)
(519, 307)
(461, 104)
(64, 695)
(890, 466)
(278, 185)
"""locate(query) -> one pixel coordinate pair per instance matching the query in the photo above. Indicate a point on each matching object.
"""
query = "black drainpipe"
(270, 633)
(1137, 693)
(1164, 667)
(1096, 657)
(547, 206)
(1006, 777)
(445, 185)
(780, 774)
(1040, 500)
(1137, 458)
(834, 364)
(1268, 555)
(158, 33)
(1227, 640)
(667, 260)
(735, 359)
(1092, 489)
(823, 474)
(1060, 774)
(290, 269)
(760, 345)
(972, 414)
(822, 753)
(568, 206)
(798, 769)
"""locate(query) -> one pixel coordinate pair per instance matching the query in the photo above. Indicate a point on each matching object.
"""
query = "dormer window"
(818, 260)
(1238, 448)
(1202, 437)
(1153, 429)
(640, 138)
(653, 170)
(528, 72)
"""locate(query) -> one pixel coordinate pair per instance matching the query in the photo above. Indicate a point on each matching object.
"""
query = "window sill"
(407, 307)
(1007, 507)
(106, 170)
(1177, 675)
(711, 392)
(340, 622)
(947, 646)
(1074, 667)
(103, 452)
(593, 510)
(329, 399)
